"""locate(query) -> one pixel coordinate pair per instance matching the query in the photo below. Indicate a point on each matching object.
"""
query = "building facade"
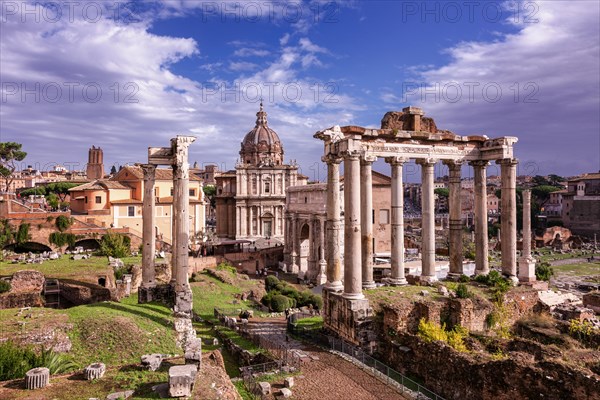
(581, 205)
(117, 202)
(250, 201)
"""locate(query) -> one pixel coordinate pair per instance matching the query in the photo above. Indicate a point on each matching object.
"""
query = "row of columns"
(358, 226)
(316, 253)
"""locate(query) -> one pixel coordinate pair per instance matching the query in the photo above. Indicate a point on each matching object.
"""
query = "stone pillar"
(455, 234)
(427, 221)
(352, 234)
(334, 259)
(526, 262)
(173, 233)
(482, 266)
(243, 220)
(295, 255)
(508, 217)
(311, 259)
(287, 240)
(322, 276)
(148, 233)
(397, 273)
(366, 220)
(183, 293)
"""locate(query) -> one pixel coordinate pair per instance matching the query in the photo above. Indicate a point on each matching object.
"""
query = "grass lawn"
(578, 269)
(310, 323)
(209, 293)
(66, 268)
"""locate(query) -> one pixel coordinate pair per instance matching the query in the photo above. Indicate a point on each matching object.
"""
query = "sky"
(128, 75)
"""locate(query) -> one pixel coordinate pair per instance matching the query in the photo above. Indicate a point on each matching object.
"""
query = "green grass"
(119, 333)
(578, 269)
(235, 337)
(210, 293)
(64, 267)
(310, 323)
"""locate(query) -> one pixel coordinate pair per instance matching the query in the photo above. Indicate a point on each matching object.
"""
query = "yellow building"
(117, 202)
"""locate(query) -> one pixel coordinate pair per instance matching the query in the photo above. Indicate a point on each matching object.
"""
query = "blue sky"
(518, 68)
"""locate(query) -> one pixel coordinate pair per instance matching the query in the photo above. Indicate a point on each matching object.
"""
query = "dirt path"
(325, 376)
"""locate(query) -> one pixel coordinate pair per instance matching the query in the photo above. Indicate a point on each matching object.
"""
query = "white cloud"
(548, 76)
(249, 52)
(242, 66)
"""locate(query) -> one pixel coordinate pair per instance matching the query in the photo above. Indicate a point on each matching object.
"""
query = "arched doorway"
(304, 247)
(28, 247)
(87, 244)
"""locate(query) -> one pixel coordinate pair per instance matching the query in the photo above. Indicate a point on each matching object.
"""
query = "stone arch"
(33, 247)
(88, 244)
(304, 235)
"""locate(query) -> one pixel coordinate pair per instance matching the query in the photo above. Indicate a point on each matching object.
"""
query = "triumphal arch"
(404, 136)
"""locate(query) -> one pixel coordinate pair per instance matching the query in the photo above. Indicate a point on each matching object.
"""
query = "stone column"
(183, 293)
(455, 221)
(173, 232)
(427, 221)
(352, 234)
(311, 260)
(243, 220)
(482, 266)
(366, 220)
(287, 238)
(295, 267)
(334, 259)
(148, 233)
(397, 273)
(322, 276)
(526, 262)
(508, 217)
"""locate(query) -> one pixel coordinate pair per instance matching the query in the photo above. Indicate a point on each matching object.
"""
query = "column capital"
(479, 163)
(396, 160)
(149, 170)
(332, 159)
(426, 162)
(508, 161)
(453, 164)
(367, 159)
(352, 155)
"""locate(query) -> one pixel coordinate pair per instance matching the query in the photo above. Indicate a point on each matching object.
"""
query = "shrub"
(581, 330)
(271, 282)
(543, 271)
(4, 286)
(462, 291)
(280, 303)
(431, 332)
(22, 235)
(62, 223)
(464, 278)
(16, 360)
(115, 245)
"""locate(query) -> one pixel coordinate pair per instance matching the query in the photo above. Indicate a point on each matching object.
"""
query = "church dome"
(261, 146)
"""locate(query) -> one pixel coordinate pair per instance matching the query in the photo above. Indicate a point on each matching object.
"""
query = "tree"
(210, 191)
(6, 233)
(443, 192)
(10, 155)
(22, 235)
(556, 180)
(115, 245)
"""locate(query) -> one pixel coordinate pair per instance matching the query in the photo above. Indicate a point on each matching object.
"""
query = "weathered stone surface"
(94, 371)
(193, 350)
(264, 388)
(288, 382)
(37, 378)
(285, 393)
(27, 281)
(120, 395)
(152, 361)
(181, 380)
(592, 300)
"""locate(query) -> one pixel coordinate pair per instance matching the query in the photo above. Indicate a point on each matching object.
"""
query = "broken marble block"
(152, 361)
(37, 378)
(193, 350)
(94, 371)
(285, 393)
(288, 382)
(181, 380)
(264, 388)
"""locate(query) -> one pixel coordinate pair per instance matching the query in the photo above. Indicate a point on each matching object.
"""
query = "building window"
(306, 200)
(98, 199)
(171, 191)
(384, 216)
(85, 199)
(131, 211)
(156, 191)
(267, 187)
(373, 217)
(192, 192)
